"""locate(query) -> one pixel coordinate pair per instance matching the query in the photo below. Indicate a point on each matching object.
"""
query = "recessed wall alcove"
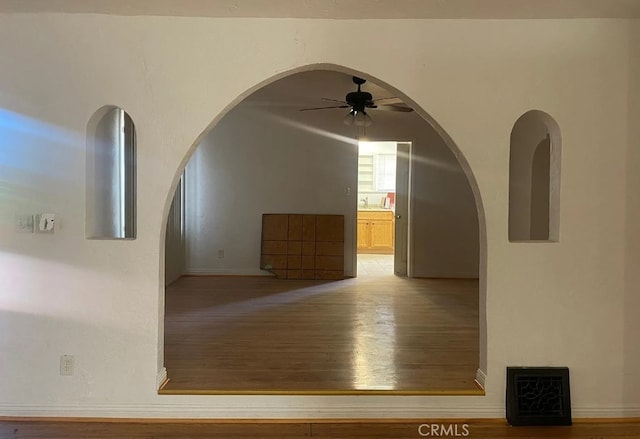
(534, 179)
(111, 175)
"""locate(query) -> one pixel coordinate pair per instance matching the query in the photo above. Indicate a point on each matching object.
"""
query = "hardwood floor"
(123, 429)
(372, 334)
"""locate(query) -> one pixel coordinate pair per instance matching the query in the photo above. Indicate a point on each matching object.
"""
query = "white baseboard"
(161, 378)
(225, 272)
(445, 276)
(481, 378)
(605, 412)
(296, 408)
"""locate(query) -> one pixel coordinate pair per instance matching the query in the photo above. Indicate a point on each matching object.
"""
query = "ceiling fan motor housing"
(359, 100)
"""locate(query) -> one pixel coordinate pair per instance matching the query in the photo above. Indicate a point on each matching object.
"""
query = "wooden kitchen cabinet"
(375, 231)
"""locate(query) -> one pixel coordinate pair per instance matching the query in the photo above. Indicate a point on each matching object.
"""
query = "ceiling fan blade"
(325, 108)
(395, 107)
(333, 100)
(389, 98)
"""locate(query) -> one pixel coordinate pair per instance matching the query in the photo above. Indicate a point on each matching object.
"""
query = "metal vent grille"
(538, 396)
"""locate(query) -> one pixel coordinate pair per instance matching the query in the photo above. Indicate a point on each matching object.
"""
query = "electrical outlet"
(221, 253)
(67, 364)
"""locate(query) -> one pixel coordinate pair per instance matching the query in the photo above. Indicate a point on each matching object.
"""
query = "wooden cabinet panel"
(381, 234)
(376, 231)
(309, 248)
(296, 246)
(295, 228)
(309, 228)
(329, 262)
(333, 248)
(274, 247)
(329, 228)
(275, 227)
(371, 215)
(363, 234)
(308, 262)
(271, 262)
(294, 262)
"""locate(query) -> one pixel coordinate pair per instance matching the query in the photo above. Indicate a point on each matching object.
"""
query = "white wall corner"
(481, 378)
(161, 378)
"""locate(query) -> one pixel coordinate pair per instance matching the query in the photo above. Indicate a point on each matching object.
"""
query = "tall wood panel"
(296, 246)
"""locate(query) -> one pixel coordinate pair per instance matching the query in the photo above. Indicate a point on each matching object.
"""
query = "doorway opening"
(383, 186)
(241, 319)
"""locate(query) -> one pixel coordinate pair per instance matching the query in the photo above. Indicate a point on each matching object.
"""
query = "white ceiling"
(338, 9)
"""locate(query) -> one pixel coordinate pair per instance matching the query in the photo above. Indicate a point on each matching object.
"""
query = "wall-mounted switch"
(24, 223)
(46, 222)
(221, 253)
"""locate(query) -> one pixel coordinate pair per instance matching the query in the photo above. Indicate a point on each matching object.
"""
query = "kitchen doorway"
(382, 229)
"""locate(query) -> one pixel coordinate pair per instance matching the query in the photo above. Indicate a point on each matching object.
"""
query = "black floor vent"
(538, 396)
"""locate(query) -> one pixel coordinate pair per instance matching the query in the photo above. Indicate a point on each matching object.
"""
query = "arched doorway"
(260, 109)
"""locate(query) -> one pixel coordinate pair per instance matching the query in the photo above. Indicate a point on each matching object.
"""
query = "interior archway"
(339, 137)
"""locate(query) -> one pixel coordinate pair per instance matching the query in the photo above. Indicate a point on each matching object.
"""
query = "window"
(111, 175)
(385, 172)
(534, 178)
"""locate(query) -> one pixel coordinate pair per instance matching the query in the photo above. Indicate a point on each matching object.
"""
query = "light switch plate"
(45, 222)
(24, 223)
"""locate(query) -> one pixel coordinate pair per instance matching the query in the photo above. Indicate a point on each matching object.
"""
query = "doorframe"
(408, 230)
(354, 222)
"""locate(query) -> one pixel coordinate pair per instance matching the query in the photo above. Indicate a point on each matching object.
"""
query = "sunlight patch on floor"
(375, 265)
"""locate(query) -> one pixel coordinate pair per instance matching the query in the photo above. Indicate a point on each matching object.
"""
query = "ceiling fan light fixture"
(358, 118)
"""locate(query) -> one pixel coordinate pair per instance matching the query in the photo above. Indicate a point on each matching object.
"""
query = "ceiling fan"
(359, 101)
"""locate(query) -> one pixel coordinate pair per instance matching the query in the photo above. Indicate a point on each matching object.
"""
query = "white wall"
(444, 227)
(175, 245)
(253, 163)
(561, 304)
(256, 162)
(631, 377)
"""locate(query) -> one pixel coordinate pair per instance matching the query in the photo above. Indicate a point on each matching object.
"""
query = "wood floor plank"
(171, 429)
(371, 333)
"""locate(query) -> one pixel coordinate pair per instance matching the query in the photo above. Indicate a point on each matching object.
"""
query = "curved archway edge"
(482, 232)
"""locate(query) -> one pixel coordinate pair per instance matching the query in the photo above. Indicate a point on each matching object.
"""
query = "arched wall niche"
(111, 175)
(420, 111)
(534, 178)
